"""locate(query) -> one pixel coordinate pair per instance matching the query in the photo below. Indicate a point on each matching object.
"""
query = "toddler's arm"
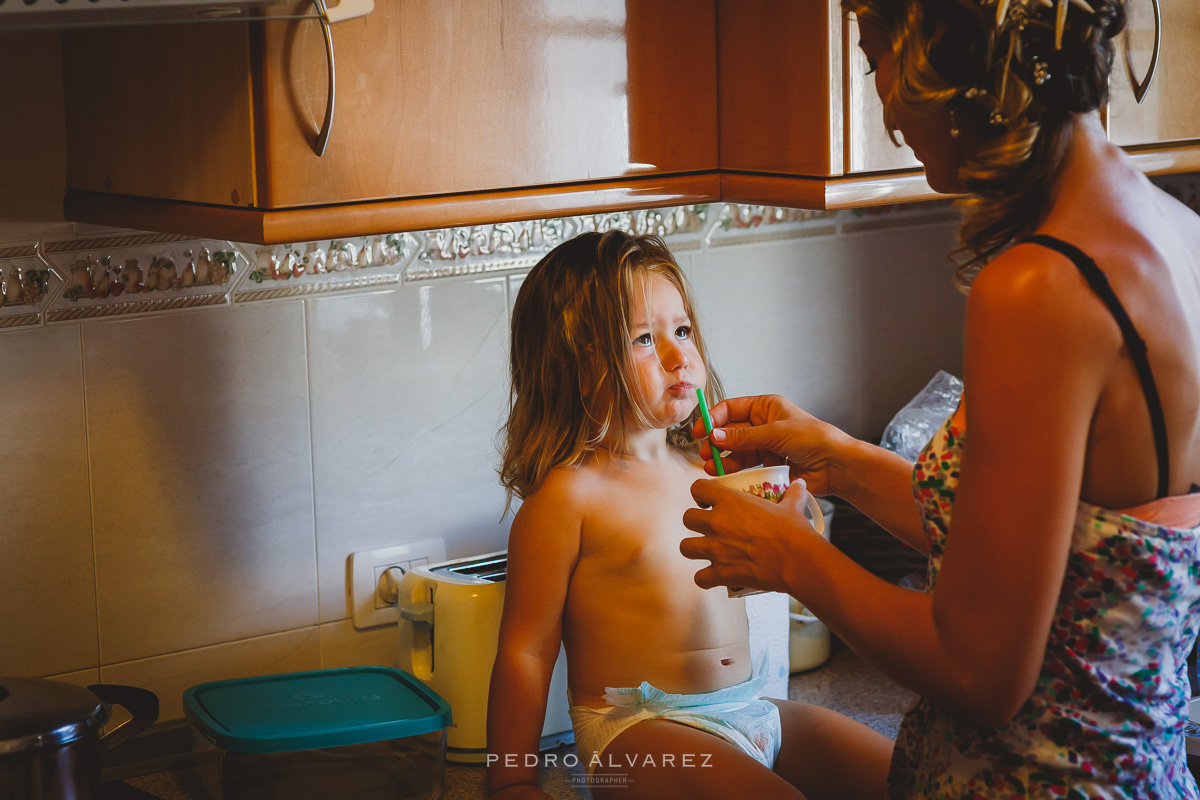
(543, 548)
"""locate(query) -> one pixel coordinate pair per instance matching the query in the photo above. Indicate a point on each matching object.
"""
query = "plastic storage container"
(362, 733)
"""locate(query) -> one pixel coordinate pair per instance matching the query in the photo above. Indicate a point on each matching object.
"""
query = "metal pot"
(50, 740)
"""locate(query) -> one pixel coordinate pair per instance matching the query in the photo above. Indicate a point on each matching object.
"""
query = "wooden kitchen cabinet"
(801, 124)
(1170, 112)
(448, 112)
(456, 112)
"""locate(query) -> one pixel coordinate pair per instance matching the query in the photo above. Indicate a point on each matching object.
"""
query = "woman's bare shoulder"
(1031, 305)
(1030, 282)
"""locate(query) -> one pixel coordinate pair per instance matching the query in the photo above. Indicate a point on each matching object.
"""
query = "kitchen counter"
(845, 683)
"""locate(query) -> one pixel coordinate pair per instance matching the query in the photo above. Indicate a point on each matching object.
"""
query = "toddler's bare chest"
(640, 527)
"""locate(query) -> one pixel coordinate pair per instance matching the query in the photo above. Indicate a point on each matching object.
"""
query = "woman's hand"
(750, 541)
(770, 430)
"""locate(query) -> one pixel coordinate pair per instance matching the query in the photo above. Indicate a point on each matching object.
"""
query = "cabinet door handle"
(322, 140)
(1141, 87)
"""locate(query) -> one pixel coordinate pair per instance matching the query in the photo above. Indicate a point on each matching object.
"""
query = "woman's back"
(1148, 245)
(1106, 713)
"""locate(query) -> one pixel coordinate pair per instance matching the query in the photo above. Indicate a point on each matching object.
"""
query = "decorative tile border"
(27, 285)
(873, 218)
(335, 265)
(747, 224)
(134, 272)
(453, 252)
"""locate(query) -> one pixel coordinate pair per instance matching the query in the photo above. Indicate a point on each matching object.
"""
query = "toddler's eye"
(643, 341)
(683, 332)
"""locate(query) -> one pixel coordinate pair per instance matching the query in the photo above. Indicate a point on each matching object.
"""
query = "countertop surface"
(845, 683)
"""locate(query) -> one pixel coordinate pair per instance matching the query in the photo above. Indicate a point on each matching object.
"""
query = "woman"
(1049, 652)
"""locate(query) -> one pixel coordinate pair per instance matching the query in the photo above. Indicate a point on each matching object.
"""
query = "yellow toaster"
(449, 615)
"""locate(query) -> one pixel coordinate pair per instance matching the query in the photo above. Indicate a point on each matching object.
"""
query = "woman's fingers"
(741, 535)
(750, 410)
(705, 492)
(736, 462)
(697, 519)
(731, 461)
(696, 547)
(750, 439)
(718, 572)
(706, 578)
(726, 411)
(795, 496)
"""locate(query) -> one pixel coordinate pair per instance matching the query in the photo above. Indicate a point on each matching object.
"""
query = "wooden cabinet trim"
(1159, 160)
(855, 191)
(258, 226)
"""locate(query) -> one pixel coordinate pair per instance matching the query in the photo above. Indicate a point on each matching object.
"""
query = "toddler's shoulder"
(561, 501)
(571, 484)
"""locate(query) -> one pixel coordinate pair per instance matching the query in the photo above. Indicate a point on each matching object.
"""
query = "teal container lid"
(312, 710)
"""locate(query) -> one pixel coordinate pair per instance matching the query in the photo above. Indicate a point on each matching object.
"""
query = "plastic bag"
(914, 425)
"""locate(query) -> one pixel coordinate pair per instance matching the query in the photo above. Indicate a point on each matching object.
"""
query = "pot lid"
(37, 713)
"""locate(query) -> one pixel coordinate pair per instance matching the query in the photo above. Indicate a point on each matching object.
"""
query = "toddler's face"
(666, 364)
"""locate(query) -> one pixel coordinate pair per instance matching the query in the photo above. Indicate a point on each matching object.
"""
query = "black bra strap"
(1137, 346)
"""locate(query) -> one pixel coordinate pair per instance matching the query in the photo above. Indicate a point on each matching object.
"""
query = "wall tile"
(847, 327)
(84, 677)
(408, 393)
(912, 316)
(168, 676)
(47, 592)
(201, 480)
(208, 528)
(343, 646)
(782, 317)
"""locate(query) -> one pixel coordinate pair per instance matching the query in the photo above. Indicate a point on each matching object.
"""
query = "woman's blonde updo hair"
(1011, 81)
(573, 386)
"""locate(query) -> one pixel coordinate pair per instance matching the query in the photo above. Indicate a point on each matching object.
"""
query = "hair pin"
(1014, 13)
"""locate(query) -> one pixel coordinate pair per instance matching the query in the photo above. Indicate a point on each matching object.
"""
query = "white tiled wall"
(849, 327)
(408, 390)
(47, 574)
(181, 492)
(202, 502)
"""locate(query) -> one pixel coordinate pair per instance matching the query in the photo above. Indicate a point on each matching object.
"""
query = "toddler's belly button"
(725, 662)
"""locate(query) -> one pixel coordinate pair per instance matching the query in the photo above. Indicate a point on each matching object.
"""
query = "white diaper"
(736, 714)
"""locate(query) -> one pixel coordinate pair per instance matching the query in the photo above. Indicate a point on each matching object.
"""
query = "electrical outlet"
(366, 567)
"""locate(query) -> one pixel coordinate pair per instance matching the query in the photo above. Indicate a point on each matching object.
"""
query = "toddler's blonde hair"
(573, 386)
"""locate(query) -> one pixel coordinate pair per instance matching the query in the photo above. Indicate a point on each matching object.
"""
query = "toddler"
(606, 359)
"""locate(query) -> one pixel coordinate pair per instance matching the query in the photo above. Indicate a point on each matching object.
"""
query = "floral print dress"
(1106, 717)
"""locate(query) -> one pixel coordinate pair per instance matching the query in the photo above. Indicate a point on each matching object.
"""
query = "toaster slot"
(488, 570)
